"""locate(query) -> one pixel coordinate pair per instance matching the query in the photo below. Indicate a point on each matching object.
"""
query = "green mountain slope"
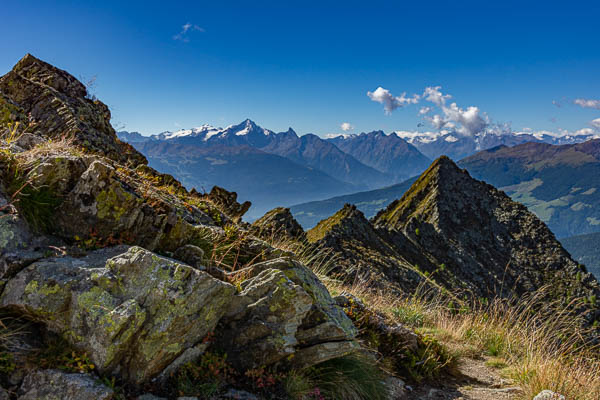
(560, 184)
(586, 250)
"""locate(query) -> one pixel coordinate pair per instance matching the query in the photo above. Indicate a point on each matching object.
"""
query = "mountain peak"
(39, 71)
(440, 182)
(249, 123)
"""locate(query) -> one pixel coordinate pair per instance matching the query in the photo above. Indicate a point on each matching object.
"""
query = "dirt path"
(474, 381)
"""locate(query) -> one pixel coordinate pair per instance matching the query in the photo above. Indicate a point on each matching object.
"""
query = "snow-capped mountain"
(307, 150)
(246, 133)
(435, 144)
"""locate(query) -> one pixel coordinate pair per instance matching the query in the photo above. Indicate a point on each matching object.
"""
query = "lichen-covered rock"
(285, 313)
(273, 309)
(101, 206)
(58, 385)
(149, 396)
(18, 246)
(396, 334)
(28, 141)
(132, 311)
(191, 255)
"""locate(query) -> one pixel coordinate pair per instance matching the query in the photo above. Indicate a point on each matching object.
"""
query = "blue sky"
(309, 65)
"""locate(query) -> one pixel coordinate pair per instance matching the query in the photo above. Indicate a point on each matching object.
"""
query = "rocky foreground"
(117, 282)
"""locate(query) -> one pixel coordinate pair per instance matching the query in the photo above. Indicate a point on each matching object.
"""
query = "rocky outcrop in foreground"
(126, 266)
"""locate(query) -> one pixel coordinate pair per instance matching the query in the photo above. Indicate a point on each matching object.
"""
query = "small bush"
(36, 205)
(7, 363)
(354, 377)
(205, 377)
(57, 353)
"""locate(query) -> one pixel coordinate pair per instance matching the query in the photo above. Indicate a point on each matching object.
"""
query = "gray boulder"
(548, 395)
(284, 313)
(57, 385)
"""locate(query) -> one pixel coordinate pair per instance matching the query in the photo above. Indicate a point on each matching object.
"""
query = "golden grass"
(542, 347)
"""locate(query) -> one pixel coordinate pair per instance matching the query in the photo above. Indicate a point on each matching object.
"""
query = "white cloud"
(584, 131)
(334, 135)
(438, 121)
(346, 126)
(588, 103)
(391, 102)
(434, 95)
(183, 35)
(595, 123)
(470, 119)
(425, 110)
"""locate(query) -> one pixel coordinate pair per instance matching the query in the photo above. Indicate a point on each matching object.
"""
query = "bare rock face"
(53, 384)
(285, 312)
(133, 312)
(227, 201)
(278, 223)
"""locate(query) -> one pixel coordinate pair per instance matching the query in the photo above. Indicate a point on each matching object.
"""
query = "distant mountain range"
(281, 180)
(458, 147)
(272, 169)
(315, 168)
(388, 153)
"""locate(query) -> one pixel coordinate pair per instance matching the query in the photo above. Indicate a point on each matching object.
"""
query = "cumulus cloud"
(434, 95)
(425, 110)
(186, 29)
(438, 121)
(391, 102)
(588, 103)
(595, 123)
(470, 119)
(346, 126)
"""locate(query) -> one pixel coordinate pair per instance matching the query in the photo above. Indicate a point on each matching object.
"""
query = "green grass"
(497, 363)
(354, 377)
(36, 205)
